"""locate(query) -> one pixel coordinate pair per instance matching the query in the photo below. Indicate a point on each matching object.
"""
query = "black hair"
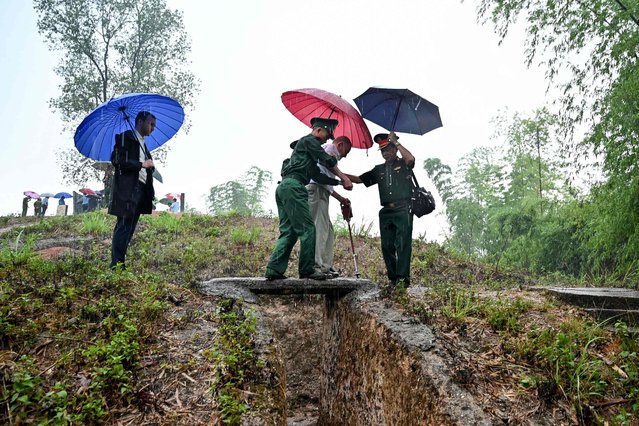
(142, 116)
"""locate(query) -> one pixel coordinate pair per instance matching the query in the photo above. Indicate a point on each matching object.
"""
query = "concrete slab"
(598, 298)
(336, 286)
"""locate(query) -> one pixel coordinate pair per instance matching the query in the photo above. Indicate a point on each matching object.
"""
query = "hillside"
(80, 344)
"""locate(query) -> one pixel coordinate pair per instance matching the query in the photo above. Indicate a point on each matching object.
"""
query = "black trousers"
(124, 229)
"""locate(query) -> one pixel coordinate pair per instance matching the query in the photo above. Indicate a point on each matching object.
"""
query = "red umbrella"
(305, 104)
(87, 191)
(172, 195)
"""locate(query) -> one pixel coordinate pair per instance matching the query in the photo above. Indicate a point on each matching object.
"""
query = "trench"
(349, 358)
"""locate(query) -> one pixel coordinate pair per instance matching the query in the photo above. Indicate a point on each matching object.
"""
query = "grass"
(95, 223)
(76, 334)
(568, 356)
(89, 310)
(234, 359)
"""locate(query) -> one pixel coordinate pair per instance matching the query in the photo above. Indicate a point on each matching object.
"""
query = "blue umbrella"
(95, 136)
(398, 110)
(63, 194)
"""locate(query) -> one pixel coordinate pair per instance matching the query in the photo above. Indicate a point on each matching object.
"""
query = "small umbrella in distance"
(46, 194)
(87, 191)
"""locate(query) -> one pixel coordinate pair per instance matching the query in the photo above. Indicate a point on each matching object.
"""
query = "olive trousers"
(296, 223)
(396, 233)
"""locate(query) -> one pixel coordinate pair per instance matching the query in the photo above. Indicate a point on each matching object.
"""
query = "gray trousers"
(318, 198)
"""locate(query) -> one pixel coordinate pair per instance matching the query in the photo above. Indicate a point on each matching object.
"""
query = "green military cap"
(326, 123)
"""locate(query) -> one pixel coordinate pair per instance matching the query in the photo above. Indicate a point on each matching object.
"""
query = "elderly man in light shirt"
(318, 198)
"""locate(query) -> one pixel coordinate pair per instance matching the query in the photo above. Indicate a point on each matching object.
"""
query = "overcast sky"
(247, 53)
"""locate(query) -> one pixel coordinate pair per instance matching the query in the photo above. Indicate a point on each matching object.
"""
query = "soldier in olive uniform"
(25, 205)
(394, 181)
(291, 196)
(37, 207)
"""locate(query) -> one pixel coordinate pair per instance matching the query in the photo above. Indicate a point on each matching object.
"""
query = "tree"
(244, 195)
(111, 47)
(590, 51)
(493, 200)
(468, 196)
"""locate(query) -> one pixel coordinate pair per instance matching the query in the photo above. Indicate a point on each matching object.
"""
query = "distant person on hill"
(45, 205)
(61, 202)
(394, 182)
(291, 196)
(85, 203)
(25, 206)
(132, 191)
(37, 207)
(175, 206)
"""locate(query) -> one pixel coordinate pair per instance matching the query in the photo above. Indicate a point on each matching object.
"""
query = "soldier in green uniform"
(393, 179)
(25, 205)
(37, 207)
(291, 196)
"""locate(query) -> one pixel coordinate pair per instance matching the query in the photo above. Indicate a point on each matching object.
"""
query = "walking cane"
(347, 213)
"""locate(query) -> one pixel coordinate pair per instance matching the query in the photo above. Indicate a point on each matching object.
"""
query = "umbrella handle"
(392, 129)
(350, 234)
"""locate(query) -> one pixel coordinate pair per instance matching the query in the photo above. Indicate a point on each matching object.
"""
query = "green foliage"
(108, 48)
(95, 223)
(18, 252)
(105, 321)
(245, 236)
(565, 355)
(165, 223)
(611, 231)
(115, 360)
(234, 359)
(503, 315)
(580, 44)
(66, 300)
(589, 52)
(244, 196)
(360, 230)
(510, 205)
(459, 303)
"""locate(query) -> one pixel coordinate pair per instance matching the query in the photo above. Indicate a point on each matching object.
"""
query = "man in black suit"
(132, 190)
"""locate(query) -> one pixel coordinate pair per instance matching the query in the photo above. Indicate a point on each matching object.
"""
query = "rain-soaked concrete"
(337, 286)
(373, 364)
(606, 304)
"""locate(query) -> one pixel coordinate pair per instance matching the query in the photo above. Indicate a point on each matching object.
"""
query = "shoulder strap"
(414, 179)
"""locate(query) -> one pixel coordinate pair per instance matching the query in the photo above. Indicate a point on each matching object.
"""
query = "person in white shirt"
(318, 198)
(175, 206)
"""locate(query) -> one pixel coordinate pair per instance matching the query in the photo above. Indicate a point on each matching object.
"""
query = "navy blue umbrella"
(398, 110)
(95, 136)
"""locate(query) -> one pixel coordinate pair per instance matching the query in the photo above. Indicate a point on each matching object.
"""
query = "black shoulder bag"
(422, 202)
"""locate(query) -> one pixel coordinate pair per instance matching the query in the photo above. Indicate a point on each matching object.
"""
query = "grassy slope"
(80, 344)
